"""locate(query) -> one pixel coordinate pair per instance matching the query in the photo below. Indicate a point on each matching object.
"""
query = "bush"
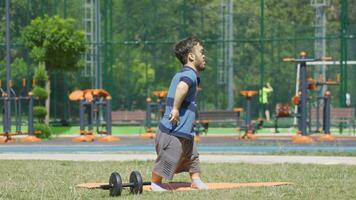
(39, 112)
(40, 76)
(45, 130)
(40, 92)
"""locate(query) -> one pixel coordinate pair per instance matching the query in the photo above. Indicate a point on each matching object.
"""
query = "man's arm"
(181, 93)
(270, 88)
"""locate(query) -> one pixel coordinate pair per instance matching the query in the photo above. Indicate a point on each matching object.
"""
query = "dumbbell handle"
(106, 187)
(131, 184)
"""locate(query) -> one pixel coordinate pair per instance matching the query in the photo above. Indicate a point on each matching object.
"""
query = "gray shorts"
(175, 155)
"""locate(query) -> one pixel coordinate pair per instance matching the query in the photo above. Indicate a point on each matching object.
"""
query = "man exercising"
(175, 146)
(264, 94)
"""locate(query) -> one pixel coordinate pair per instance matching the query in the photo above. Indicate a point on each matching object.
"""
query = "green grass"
(136, 130)
(293, 153)
(128, 130)
(57, 180)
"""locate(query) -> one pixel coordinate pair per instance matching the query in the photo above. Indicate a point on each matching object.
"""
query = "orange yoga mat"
(186, 186)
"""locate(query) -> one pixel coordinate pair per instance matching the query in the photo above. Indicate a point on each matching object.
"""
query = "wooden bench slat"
(140, 115)
(336, 113)
(128, 116)
(218, 115)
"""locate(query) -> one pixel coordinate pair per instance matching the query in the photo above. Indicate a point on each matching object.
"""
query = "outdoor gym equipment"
(158, 107)
(326, 118)
(249, 127)
(283, 110)
(199, 125)
(17, 100)
(92, 100)
(312, 85)
(302, 99)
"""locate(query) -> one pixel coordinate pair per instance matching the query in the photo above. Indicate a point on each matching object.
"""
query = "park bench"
(341, 117)
(220, 116)
(129, 117)
(204, 118)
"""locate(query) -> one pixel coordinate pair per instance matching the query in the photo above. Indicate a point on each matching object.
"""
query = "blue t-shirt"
(188, 108)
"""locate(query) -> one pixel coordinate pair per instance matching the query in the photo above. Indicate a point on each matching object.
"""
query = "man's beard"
(201, 67)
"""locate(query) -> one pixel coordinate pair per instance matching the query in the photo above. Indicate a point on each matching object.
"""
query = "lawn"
(136, 130)
(57, 180)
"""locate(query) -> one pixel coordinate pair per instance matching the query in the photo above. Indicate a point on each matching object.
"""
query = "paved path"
(255, 159)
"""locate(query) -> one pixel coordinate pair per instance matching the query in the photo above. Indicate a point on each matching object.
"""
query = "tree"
(39, 111)
(134, 83)
(18, 71)
(55, 44)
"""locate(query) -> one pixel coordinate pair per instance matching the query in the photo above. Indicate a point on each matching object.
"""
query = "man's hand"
(181, 92)
(174, 116)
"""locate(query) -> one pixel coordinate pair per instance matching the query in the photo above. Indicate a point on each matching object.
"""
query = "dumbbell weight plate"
(115, 184)
(136, 181)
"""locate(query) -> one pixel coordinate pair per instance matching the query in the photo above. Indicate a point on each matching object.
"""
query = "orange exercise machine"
(17, 100)
(301, 100)
(158, 106)
(249, 127)
(91, 100)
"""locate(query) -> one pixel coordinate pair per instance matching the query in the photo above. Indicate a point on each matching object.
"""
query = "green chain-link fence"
(137, 37)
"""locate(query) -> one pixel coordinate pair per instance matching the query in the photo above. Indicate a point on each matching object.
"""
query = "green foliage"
(39, 112)
(140, 76)
(41, 76)
(55, 41)
(143, 34)
(45, 130)
(18, 71)
(40, 92)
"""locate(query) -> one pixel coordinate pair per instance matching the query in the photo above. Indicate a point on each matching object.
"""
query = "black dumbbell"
(115, 184)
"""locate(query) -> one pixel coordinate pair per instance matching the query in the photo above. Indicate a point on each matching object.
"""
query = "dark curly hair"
(183, 47)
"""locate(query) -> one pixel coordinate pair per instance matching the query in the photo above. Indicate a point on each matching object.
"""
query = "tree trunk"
(48, 88)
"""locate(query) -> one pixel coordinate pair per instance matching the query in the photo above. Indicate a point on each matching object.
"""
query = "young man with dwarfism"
(175, 146)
